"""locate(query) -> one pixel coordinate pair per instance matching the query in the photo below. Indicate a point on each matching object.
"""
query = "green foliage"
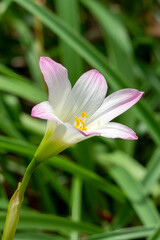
(100, 188)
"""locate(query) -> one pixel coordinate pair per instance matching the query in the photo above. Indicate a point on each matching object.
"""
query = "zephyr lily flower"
(75, 114)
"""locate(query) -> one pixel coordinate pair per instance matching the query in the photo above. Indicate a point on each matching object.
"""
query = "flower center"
(80, 124)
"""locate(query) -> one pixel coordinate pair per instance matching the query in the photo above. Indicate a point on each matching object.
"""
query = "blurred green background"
(99, 185)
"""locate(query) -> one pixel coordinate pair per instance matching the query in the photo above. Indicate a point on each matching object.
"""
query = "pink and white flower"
(75, 114)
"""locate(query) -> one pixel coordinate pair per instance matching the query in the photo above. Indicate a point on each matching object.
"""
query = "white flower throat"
(80, 124)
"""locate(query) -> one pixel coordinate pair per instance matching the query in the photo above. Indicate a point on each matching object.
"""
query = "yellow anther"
(80, 124)
(84, 115)
(77, 122)
(83, 125)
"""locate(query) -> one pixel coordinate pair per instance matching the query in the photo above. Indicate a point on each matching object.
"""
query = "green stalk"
(156, 234)
(15, 203)
(76, 197)
(30, 169)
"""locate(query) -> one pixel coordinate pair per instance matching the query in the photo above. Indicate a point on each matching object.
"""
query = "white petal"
(72, 135)
(56, 78)
(44, 110)
(114, 105)
(117, 130)
(57, 139)
(69, 135)
(86, 96)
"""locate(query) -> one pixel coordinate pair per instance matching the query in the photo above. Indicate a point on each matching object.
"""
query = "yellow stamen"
(84, 115)
(77, 122)
(80, 124)
(83, 125)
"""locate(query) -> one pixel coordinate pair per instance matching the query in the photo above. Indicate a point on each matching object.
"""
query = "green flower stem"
(15, 203)
(30, 169)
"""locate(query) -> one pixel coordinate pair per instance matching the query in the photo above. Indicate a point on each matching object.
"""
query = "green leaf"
(22, 88)
(156, 234)
(133, 188)
(4, 5)
(47, 222)
(10, 73)
(36, 236)
(86, 175)
(6, 124)
(17, 146)
(30, 50)
(33, 125)
(119, 158)
(45, 194)
(3, 204)
(69, 12)
(57, 187)
(119, 45)
(123, 217)
(152, 174)
(76, 198)
(124, 234)
(134, 191)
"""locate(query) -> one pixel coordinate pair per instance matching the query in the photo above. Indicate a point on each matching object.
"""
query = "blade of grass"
(143, 206)
(123, 217)
(22, 88)
(115, 35)
(134, 191)
(10, 73)
(30, 50)
(76, 197)
(60, 189)
(45, 197)
(36, 236)
(4, 5)
(6, 124)
(48, 222)
(156, 234)
(83, 154)
(124, 234)
(17, 146)
(69, 12)
(152, 174)
(119, 158)
(148, 176)
(33, 125)
(87, 175)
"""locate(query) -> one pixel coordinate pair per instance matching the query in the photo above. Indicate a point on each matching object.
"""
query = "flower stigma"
(80, 124)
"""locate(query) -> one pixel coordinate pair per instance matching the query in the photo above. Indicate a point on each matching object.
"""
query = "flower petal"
(72, 135)
(44, 110)
(58, 137)
(56, 78)
(117, 130)
(86, 96)
(115, 104)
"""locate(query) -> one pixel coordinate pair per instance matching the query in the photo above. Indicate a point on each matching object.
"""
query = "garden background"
(100, 188)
